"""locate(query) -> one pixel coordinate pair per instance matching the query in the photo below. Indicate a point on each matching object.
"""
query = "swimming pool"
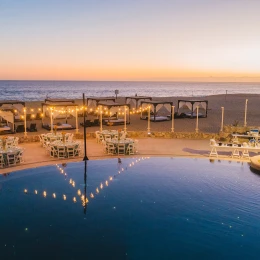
(142, 208)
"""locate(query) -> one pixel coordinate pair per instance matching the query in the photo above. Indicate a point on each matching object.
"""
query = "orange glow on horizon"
(121, 74)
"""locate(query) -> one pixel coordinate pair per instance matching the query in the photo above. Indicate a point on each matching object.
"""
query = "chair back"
(212, 142)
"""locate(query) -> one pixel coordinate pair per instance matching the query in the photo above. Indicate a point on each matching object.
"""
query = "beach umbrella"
(125, 120)
(245, 123)
(25, 132)
(172, 119)
(222, 119)
(101, 119)
(148, 127)
(197, 120)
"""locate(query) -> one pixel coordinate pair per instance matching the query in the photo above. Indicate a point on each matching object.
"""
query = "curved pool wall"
(147, 208)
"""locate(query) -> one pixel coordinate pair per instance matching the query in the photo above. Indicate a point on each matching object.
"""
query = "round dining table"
(125, 141)
(6, 151)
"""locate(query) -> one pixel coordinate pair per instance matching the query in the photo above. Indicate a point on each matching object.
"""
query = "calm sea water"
(157, 208)
(38, 90)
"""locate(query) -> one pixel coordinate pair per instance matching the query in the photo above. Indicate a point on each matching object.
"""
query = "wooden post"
(197, 120)
(245, 123)
(149, 128)
(172, 129)
(101, 123)
(125, 121)
(77, 124)
(222, 119)
(25, 131)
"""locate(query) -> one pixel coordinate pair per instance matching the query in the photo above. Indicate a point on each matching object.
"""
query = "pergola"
(55, 107)
(94, 101)
(110, 105)
(157, 105)
(136, 100)
(192, 105)
(7, 108)
(58, 100)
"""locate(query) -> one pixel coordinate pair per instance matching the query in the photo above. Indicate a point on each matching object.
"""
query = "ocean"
(39, 90)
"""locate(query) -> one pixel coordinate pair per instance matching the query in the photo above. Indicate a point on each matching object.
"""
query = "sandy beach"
(234, 110)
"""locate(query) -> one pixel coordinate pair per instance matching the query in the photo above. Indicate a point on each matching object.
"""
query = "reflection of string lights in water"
(84, 200)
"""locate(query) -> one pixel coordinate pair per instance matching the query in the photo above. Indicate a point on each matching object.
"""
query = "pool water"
(142, 208)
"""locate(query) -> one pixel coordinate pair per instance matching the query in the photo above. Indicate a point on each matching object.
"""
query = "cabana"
(57, 109)
(10, 111)
(114, 108)
(135, 101)
(192, 105)
(92, 102)
(158, 105)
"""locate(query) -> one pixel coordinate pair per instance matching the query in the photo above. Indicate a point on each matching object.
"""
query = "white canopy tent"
(135, 101)
(192, 105)
(12, 110)
(113, 108)
(57, 109)
(157, 106)
(92, 102)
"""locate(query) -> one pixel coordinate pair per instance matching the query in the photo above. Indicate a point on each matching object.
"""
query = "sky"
(155, 40)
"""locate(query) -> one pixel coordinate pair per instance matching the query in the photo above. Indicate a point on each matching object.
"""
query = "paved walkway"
(35, 156)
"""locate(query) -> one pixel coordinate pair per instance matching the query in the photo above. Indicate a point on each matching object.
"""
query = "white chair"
(130, 149)
(245, 153)
(111, 148)
(100, 138)
(121, 149)
(104, 144)
(97, 136)
(78, 148)
(70, 151)
(235, 152)
(16, 141)
(11, 159)
(136, 142)
(9, 143)
(2, 161)
(61, 151)
(53, 152)
(107, 138)
(41, 139)
(19, 157)
(123, 135)
(70, 138)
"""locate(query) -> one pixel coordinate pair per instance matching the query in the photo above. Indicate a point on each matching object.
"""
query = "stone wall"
(136, 134)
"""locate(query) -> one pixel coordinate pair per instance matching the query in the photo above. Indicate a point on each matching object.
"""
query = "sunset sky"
(209, 40)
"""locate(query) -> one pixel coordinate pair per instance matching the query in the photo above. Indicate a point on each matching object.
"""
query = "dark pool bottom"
(146, 208)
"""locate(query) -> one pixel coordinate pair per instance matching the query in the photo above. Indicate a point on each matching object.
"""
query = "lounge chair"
(32, 128)
(88, 123)
(20, 129)
(96, 122)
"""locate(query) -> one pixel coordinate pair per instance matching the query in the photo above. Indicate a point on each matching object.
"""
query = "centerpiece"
(55, 130)
(63, 137)
(4, 138)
